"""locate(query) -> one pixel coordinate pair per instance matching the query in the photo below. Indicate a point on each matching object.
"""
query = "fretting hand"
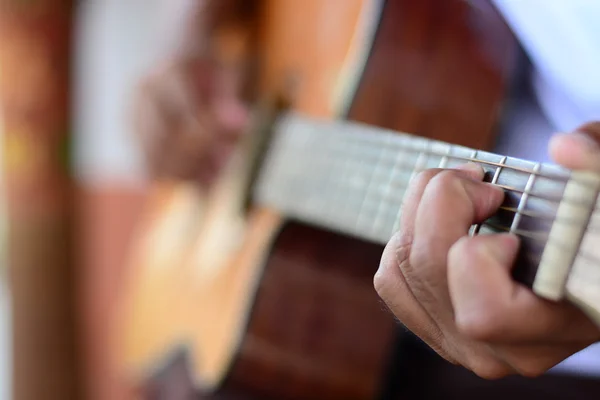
(456, 292)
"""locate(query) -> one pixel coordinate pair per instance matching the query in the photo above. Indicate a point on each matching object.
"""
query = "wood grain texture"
(303, 47)
(317, 329)
(438, 69)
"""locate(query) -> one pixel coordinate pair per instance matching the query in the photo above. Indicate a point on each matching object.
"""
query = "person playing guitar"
(455, 292)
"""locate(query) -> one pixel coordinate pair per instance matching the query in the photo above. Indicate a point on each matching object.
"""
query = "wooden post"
(34, 97)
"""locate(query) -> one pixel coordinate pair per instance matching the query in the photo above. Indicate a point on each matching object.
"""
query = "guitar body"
(225, 300)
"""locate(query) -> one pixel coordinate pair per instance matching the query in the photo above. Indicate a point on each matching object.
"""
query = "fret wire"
(444, 160)
(476, 227)
(343, 203)
(421, 162)
(523, 212)
(505, 187)
(529, 234)
(555, 199)
(385, 196)
(359, 183)
(543, 237)
(524, 198)
(539, 236)
(298, 185)
(349, 187)
(369, 186)
(336, 182)
(349, 209)
(538, 215)
(498, 170)
(552, 176)
(535, 173)
(398, 167)
(398, 218)
(551, 217)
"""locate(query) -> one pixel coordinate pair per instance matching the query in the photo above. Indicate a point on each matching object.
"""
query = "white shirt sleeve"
(562, 38)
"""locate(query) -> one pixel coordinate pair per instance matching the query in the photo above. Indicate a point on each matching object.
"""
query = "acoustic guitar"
(263, 285)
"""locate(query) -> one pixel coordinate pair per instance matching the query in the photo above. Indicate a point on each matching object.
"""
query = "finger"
(450, 205)
(490, 306)
(394, 291)
(414, 193)
(579, 150)
(389, 280)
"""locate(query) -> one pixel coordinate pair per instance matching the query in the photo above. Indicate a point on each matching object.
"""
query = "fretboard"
(351, 178)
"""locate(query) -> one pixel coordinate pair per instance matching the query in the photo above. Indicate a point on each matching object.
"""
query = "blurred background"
(75, 182)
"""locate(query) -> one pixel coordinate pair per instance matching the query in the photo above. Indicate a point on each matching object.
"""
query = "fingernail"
(503, 249)
(474, 170)
(470, 166)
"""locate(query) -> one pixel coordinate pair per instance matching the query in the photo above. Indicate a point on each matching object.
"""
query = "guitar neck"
(352, 178)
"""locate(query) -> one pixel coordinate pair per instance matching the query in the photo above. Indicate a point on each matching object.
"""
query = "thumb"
(579, 150)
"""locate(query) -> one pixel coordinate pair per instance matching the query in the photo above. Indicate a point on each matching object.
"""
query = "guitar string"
(447, 155)
(546, 239)
(397, 143)
(554, 199)
(527, 213)
(541, 196)
(538, 236)
(379, 141)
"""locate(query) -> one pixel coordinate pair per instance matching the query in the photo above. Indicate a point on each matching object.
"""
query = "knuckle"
(422, 178)
(444, 181)
(489, 368)
(468, 251)
(380, 281)
(391, 258)
(530, 368)
(478, 324)
(459, 252)
(421, 254)
(395, 258)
